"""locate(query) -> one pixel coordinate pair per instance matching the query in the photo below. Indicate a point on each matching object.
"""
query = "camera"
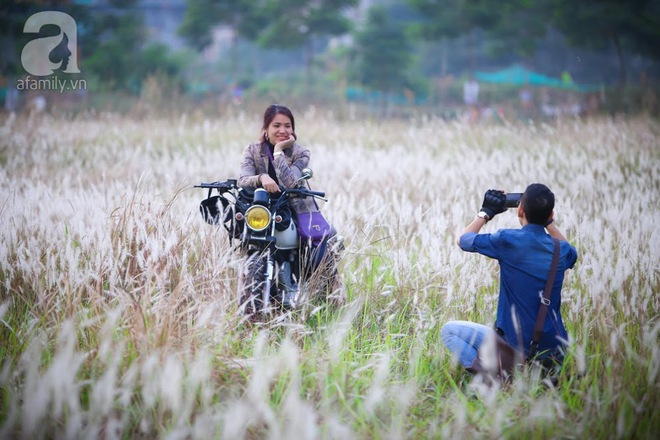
(512, 200)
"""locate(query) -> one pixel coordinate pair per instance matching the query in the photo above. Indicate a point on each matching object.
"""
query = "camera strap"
(545, 302)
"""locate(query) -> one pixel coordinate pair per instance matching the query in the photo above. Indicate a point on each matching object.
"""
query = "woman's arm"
(289, 167)
(249, 175)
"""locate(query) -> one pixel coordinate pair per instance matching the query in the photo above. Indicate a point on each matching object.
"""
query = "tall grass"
(118, 304)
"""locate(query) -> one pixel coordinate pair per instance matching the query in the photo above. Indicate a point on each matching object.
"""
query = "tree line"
(394, 45)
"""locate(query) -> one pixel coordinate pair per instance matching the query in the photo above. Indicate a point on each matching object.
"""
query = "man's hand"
(494, 203)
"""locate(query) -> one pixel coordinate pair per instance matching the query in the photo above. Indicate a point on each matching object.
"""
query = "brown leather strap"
(545, 302)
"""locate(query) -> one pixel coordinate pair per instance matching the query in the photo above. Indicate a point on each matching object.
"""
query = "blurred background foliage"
(390, 57)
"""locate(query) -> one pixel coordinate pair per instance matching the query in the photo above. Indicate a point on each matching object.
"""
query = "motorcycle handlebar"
(229, 184)
(316, 193)
(306, 192)
(218, 185)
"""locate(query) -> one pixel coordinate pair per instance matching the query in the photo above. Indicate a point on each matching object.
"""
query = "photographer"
(525, 257)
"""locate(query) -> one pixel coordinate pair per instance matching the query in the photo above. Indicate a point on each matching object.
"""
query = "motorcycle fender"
(288, 238)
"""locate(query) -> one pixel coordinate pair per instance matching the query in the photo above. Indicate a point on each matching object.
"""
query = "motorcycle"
(282, 262)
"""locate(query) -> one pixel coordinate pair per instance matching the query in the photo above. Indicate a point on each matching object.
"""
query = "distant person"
(11, 94)
(525, 256)
(471, 92)
(526, 101)
(38, 104)
(237, 95)
(526, 97)
(471, 97)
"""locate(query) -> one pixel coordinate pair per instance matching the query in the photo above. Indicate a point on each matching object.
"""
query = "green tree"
(301, 23)
(382, 53)
(119, 54)
(281, 24)
(454, 18)
(630, 26)
(117, 50)
(514, 26)
(202, 16)
(12, 19)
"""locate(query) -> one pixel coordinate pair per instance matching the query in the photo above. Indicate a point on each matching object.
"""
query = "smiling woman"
(276, 164)
(276, 161)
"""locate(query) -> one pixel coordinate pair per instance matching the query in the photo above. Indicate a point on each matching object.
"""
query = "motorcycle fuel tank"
(288, 238)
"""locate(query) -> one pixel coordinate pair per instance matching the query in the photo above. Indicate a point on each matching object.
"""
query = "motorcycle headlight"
(258, 218)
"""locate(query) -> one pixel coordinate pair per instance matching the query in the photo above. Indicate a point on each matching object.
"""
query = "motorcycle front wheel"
(253, 285)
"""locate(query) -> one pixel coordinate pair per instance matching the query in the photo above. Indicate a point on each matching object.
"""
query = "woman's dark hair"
(270, 113)
(537, 203)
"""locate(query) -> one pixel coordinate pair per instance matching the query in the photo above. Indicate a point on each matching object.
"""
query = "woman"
(275, 163)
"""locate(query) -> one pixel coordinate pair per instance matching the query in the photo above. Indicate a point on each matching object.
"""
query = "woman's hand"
(269, 184)
(282, 145)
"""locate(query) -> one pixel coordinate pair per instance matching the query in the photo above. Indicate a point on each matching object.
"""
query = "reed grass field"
(118, 304)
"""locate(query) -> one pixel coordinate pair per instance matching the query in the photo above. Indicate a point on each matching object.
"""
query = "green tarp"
(519, 76)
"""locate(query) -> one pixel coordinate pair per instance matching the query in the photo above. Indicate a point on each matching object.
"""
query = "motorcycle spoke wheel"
(253, 283)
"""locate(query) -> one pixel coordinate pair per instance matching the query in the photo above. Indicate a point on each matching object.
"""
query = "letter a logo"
(44, 55)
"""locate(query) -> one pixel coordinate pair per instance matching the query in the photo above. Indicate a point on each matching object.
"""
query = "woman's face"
(280, 129)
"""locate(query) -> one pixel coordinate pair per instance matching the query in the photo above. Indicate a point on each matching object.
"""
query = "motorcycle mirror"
(307, 173)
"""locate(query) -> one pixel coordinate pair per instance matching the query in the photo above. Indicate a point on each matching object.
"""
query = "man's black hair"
(537, 203)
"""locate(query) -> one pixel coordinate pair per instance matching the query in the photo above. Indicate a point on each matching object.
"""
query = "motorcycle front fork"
(290, 289)
(270, 269)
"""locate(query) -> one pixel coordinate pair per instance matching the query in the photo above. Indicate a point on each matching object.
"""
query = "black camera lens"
(512, 200)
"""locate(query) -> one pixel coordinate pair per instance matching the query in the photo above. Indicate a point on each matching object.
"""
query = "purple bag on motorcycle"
(313, 226)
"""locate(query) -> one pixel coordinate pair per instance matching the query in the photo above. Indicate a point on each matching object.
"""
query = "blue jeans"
(464, 338)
